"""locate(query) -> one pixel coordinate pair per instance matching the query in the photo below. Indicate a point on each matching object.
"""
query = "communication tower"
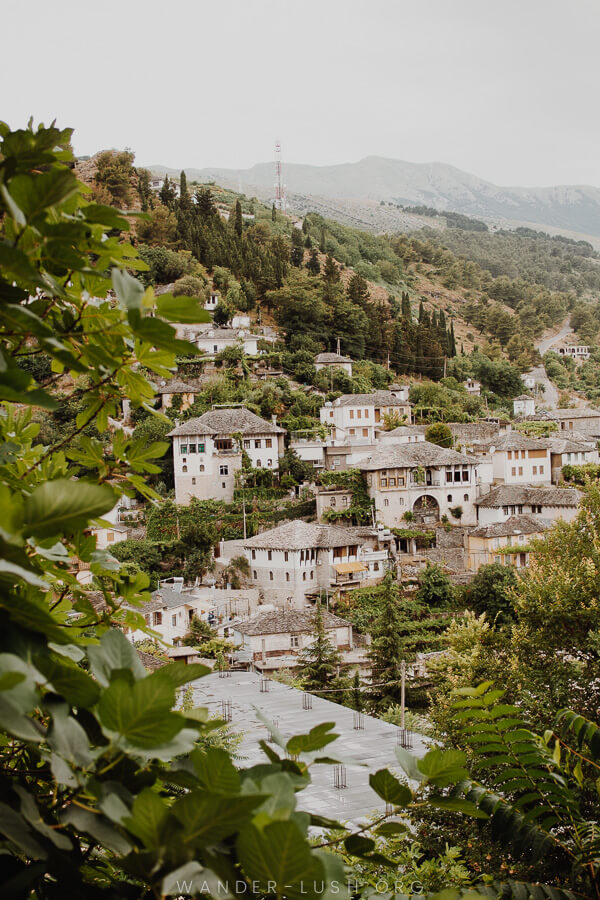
(279, 185)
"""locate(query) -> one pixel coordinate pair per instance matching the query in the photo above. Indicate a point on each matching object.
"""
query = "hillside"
(571, 208)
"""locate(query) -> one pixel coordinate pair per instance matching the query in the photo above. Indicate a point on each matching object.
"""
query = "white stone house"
(214, 340)
(576, 351)
(584, 419)
(507, 500)
(423, 479)
(566, 451)
(524, 405)
(212, 301)
(170, 613)
(333, 361)
(504, 542)
(295, 560)
(472, 387)
(358, 415)
(276, 638)
(518, 459)
(207, 453)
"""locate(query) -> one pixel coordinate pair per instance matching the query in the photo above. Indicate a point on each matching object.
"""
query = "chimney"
(274, 419)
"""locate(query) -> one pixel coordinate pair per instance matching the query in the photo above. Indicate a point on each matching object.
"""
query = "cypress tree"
(323, 237)
(273, 214)
(406, 310)
(297, 253)
(237, 218)
(385, 653)
(331, 272)
(452, 339)
(313, 265)
(421, 311)
(167, 193)
(356, 696)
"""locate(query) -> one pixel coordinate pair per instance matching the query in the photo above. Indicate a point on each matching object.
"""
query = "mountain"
(575, 208)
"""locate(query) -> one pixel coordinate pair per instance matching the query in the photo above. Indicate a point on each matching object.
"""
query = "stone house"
(167, 390)
(472, 387)
(584, 419)
(505, 542)
(214, 340)
(518, 459)
(566, 451)
(207, 453)
(423, 479)
(524, 405)
(297, 560)
(508, 500)
(281, 635)
(169, 612)
(356, 416)
(333, 361)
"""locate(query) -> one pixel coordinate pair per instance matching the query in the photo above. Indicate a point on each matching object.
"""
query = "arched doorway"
(426, 509)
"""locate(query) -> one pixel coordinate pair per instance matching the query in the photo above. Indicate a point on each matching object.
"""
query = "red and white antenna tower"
(279, 185)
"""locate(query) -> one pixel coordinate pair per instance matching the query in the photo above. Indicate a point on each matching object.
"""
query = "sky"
(505, 89)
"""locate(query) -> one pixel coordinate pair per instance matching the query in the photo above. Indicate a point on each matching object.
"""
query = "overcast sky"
(505, 89)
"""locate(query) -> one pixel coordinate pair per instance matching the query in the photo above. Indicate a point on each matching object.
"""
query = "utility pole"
(388, 360)
(444, 367)
(338, 347)
(243, 483)
(402, 692)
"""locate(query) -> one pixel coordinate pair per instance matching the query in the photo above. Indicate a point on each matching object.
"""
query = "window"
(193, 481)
(520, 509)
(366, 413)
(255, 575)
(352, 431)
(541, 470)
(110, 536)
(270, 576)
(401, 501)
(331, 414)
(287, 576)
(466, 498)
(351, 413)
(344, 501)
(312, 575)
(401, 482)
(520, 470)
(158, 618)
(286, 555)
(392, 482)
(448, 476)
(535, 470)
(184, 468)
(254, 554)
(223, 470)
(269, 463)
(465, 474)
(509, 454)
(505, 508)
(223, 485)
(202, 468)
(192, 448)
(376, 567)
(269, 442)
(304, 576)
(269, 554)
(183, 449)
(365, 432)
(513, 470)
(200, 448)
(215, 348)
(173, 620)
(258, 464)
(246, 445)
(359, 414)
(257, 444)
(294, 641)
(386, 502)
(384, 482)
(449, 498)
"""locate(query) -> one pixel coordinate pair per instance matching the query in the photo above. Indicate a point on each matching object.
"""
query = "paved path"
(550, 397)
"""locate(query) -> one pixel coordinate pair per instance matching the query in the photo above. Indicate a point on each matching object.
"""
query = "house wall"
(359, 421)
(522, 466)
(175, 621)
(284, 644)
(483, 551)
(392, 501)
(338, 500)
(214, 345)
(346, 367)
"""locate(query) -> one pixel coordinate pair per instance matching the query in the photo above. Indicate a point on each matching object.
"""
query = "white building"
(507, 500)
(472, 387)
(170, 613)
(506, 543)
(518, 459)
(212, 301)
(584, 419)
(298, 559)
(216, 339)
(358, 415)
(333, 361)
(575, 351)
(274, 639)
(424, 479)
(207, 452)
(524, 405)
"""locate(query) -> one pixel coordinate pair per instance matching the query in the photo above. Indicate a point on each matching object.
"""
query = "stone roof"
(524, 397)
(288, 622)
(513, 525)
(165, 598)
(517, 494)
(566, 444)
(582, 413)
(221, 334)
(151, 662)
(376, 398)
(176, 386)
(299, 535)
(331, 358)
(227, 422)
(514, 440)
(421, 453)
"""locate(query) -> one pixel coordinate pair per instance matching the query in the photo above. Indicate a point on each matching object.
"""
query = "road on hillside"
(539, 373)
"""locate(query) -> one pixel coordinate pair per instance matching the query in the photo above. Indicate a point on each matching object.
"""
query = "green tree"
(492, 592)
(435, 588)
(440, 434)
(238, 222)
(385, 653)
(319, 662)
(331, 273)
(297, 252)
(313, 265)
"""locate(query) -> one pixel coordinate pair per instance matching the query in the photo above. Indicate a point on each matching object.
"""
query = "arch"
(426, 509)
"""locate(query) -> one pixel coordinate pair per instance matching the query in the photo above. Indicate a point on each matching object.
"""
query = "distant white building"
(274, 639)
(215, 340)
(584, 419)
(575, 351)
(472, 387)
(212, 301)
(358, 415)
(207, 453)
(157, 183)
(508, 500)
(518, 459)
(524, 405)
(170, 612)
(333, 361)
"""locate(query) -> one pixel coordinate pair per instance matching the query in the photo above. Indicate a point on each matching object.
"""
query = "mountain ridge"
(435, 184)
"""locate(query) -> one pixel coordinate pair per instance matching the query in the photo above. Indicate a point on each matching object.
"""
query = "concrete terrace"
(373, 746)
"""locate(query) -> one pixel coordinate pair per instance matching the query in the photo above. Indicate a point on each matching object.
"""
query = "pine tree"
(319, 662)
(237, 218)
(406, 309)
(305, 225)
(421, 312)
(452, 339)
(356, 695)
(297, 252)
(273, 214)
(358, 291)
(323, 238)
(386, 650)
(313, 265)
(167, 193)
(331, 273)
(184, 197)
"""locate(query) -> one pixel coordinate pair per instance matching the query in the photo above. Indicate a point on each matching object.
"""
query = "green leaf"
(387, 829)
(68, 679)
(98, 827)
(14, 722)
(389, 788)
(36, 193)
(140, 712)
(457, 805)
(408, 763)
(443, 767)
(114, 652)
(179, 673)
(278, 853)
(316, 738)
(181, 309)
(128, 289)
(63, 506)
(209, 817)
(14, 827)
(148, 819)
(359, 845)
(105, 215)
(216, 771)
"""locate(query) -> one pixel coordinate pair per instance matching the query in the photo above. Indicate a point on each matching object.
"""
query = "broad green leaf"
(148, 819)
(15, 723)
(140, 712)
(179, 673)
(389, 788)
(390, 828)
(98, 827)
(316, 738)
(35, 193)
(68, 679)
(181, 309)
(443, 767)
(14, 827)
(456, 804)
(209, 817)
(216, 771)
(60, 506)
(114, 652)
(276, 854)
(408, 763)
(128, 289)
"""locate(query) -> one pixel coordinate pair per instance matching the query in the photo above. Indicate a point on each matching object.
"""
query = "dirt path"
(539, 373)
